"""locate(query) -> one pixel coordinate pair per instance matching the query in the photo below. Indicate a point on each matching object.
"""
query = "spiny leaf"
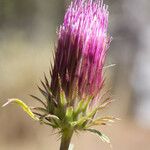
(103, 137)
(79, 107)
(63, 98)
(92, 113)
(109, 118)
(38, 114)
(48, 96)
(49, 124)
(46, 89)
(46, 119)
(69, 113)
(43, 93)
(52, 116)
(46, 81)
(38, 99)
(104, 95)
(87, 103)
(50, 70)
(39, 109)
(102, 121)
(81, 121)
(25, 107)
(54, 101)
(47, 92)
(105, 103)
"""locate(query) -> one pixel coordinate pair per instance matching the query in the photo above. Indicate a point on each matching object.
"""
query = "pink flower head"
(77, 75)
(81, 49)
(71, 98)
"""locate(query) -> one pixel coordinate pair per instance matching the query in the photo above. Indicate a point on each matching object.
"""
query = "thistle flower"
(77, 74)
(81, 50)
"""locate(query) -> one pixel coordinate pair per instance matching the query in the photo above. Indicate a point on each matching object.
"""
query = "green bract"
(62, 115)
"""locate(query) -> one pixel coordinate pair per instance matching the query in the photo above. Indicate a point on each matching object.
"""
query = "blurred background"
(27, 38)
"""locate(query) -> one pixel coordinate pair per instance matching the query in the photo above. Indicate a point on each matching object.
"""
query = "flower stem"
(65, 140)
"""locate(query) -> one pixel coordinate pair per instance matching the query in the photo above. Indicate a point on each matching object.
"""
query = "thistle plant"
(74, 95)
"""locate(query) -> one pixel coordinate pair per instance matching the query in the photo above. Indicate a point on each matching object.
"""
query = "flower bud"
(81, 50)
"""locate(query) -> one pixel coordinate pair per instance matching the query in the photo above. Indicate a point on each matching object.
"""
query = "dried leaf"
(103, 137)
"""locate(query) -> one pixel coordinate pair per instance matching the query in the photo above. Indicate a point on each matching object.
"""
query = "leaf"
(52, 116)
(46, 92)
(45, 87)
(87, 103)
(25, 107)
(38, 99)
(98, 108)
(79, 107)
(46, 81)
(109, 118)
(103, 137)
(81, 121)
(102, 121)
(39, 109)
(105, 103)
(63, 98)
(43, 93)
(44, 118)
(49, 124)
(69, 113)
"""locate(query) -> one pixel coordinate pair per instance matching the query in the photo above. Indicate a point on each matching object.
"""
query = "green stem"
(65, 140)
